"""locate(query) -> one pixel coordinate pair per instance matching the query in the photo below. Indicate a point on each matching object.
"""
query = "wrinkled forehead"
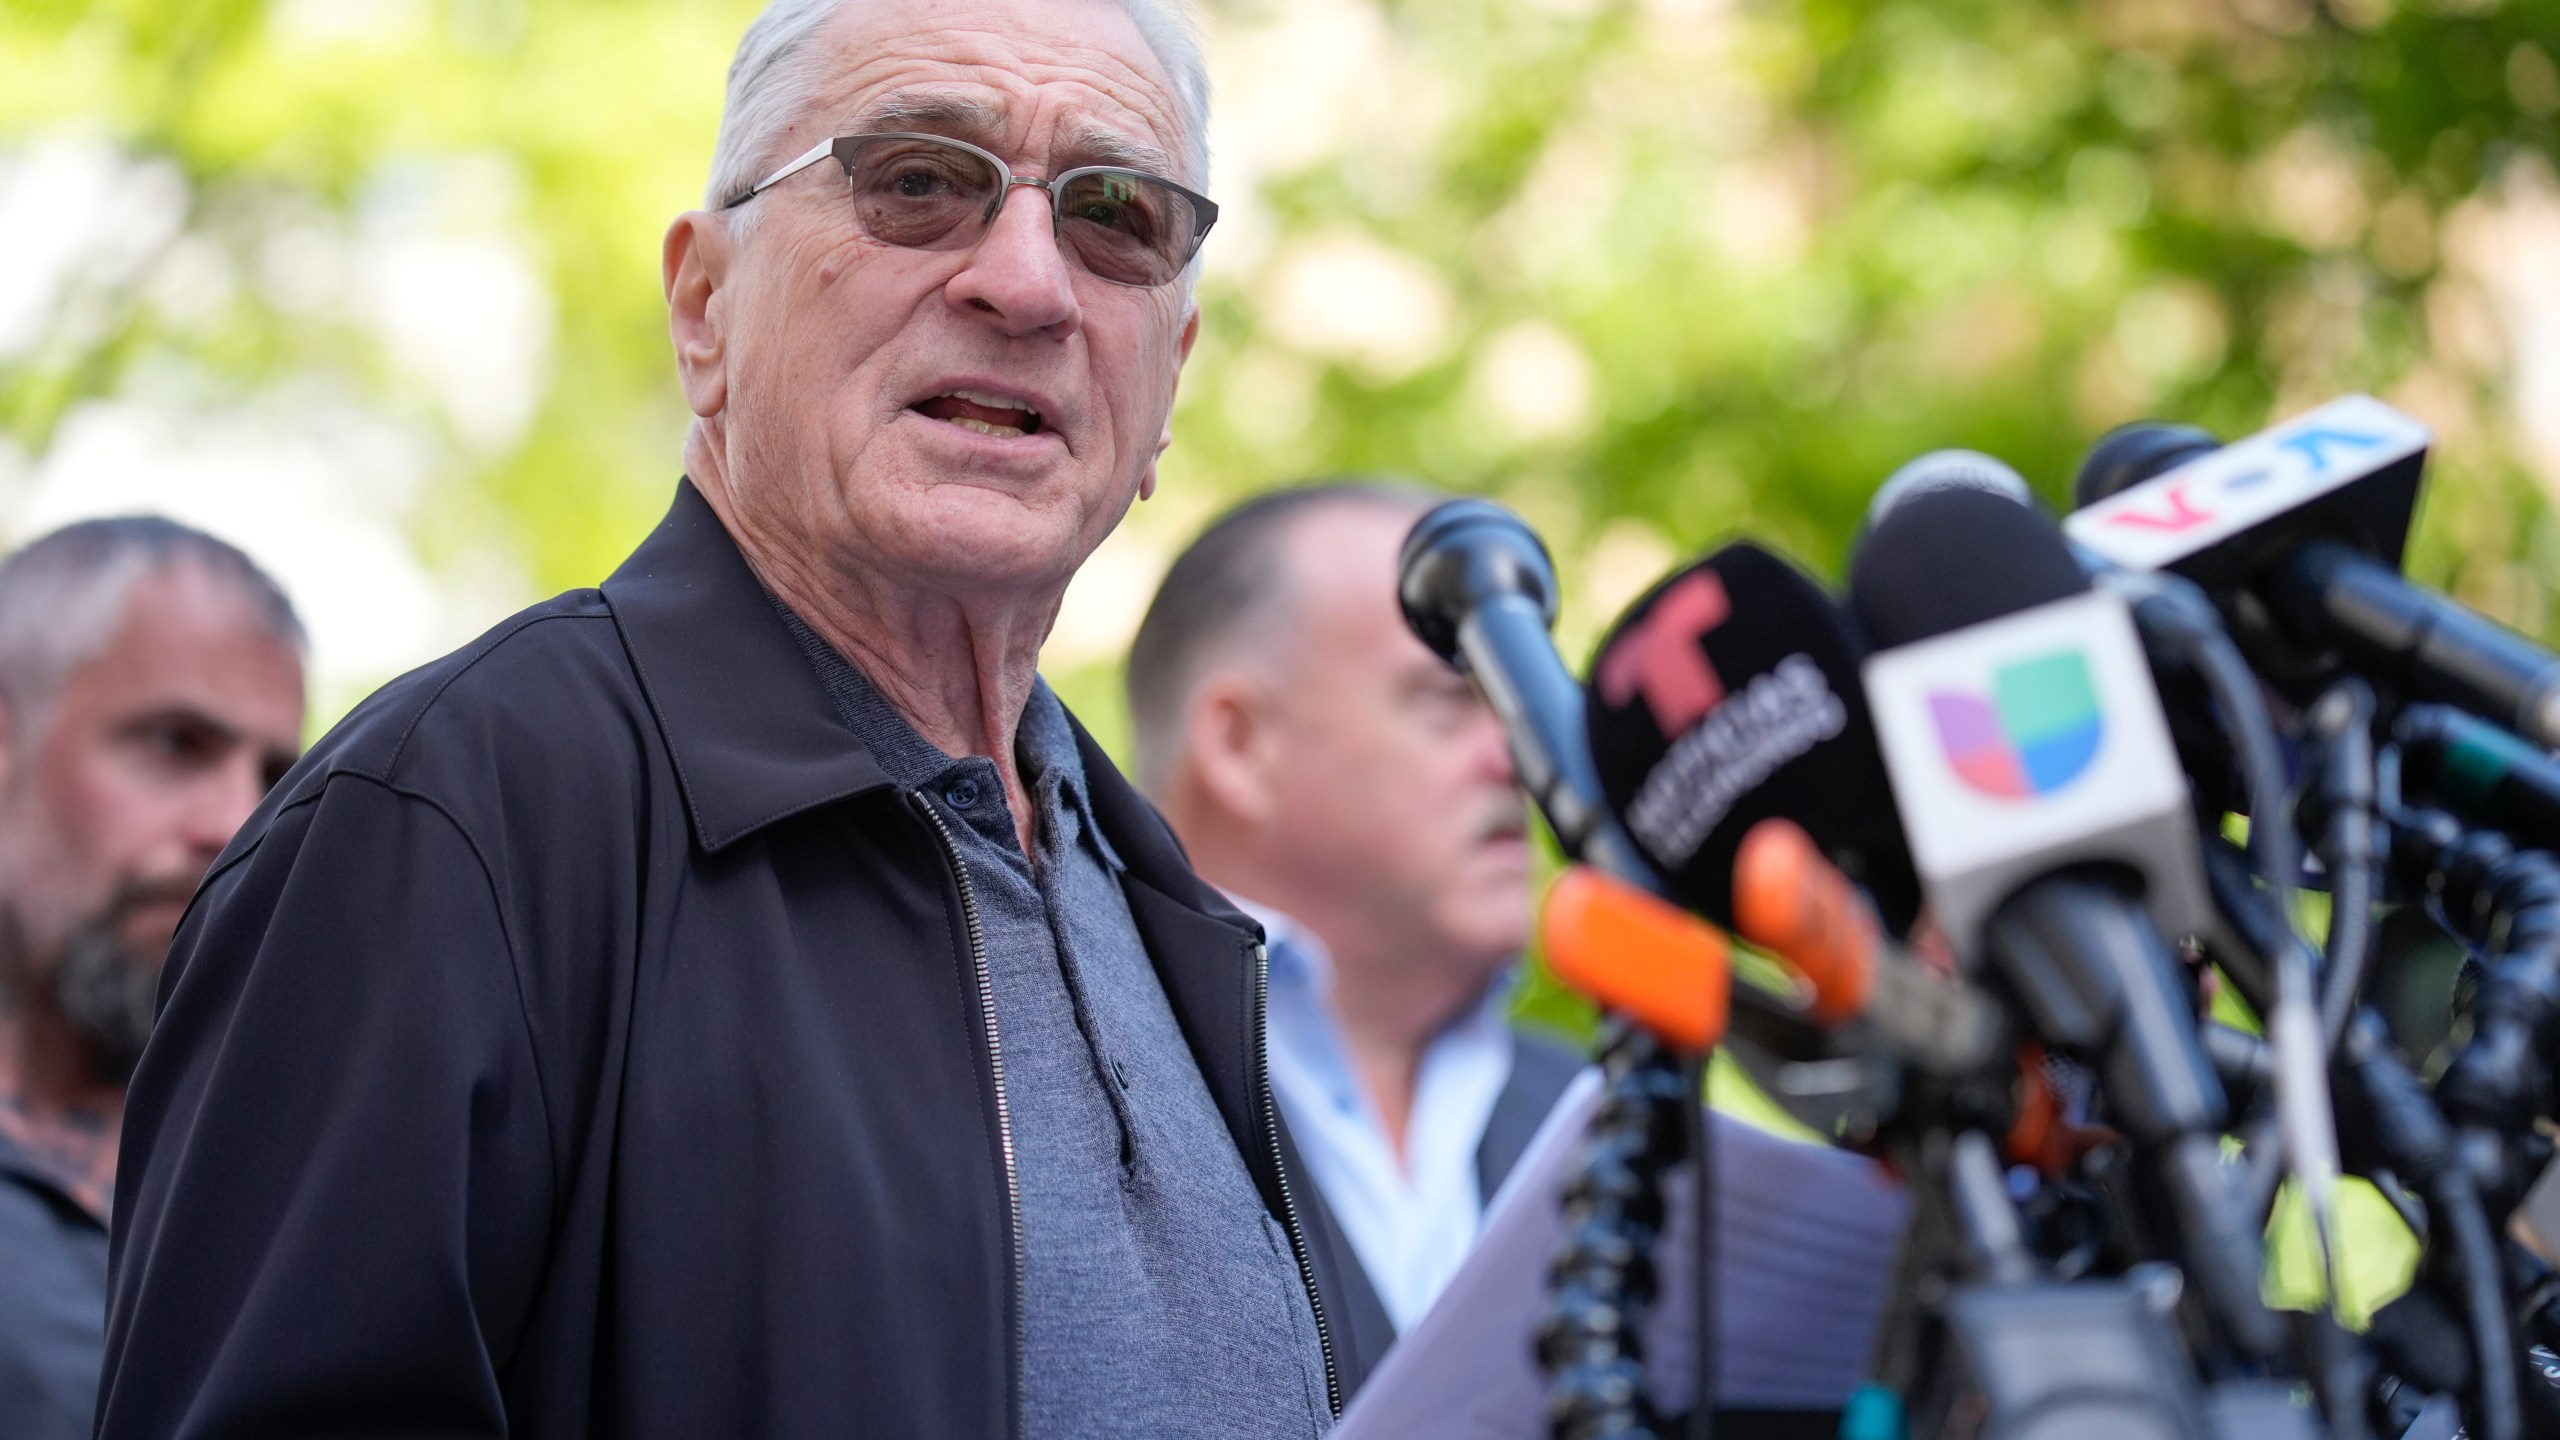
(1057, 83)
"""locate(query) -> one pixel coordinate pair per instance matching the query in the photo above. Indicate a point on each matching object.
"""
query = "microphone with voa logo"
(2298, 532)
(1727, 695)
(2052, 832)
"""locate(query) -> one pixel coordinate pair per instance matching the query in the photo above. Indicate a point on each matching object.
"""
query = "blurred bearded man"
(150, 693)
(739, 1000)
(1356, 794)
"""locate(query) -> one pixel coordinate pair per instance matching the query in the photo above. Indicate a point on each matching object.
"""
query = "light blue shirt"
(1410, 1222)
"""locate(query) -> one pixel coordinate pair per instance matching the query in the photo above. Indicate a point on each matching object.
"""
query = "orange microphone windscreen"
(1637, 953)
(1793, 903)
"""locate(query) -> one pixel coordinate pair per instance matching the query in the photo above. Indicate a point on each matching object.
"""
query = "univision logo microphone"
(2031, 741)
(2034, 732)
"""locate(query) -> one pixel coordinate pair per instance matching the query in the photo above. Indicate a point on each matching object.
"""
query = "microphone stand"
(1591, 1343)
(1478, 587)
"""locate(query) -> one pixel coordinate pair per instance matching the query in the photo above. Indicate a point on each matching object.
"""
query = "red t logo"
(1661, 658)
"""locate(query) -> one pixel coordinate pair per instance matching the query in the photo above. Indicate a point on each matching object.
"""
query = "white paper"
(1807, 1237)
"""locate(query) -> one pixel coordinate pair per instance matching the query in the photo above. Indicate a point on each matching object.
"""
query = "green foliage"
(1741, 258)
(1799, 244)
(579, 128)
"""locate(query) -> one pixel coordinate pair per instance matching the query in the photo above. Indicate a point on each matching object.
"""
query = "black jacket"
(586, 1038)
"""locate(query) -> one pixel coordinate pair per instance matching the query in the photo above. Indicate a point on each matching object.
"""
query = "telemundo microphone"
(1733, 742)
(1728, 695)
(2298, 533)
(2053, 832)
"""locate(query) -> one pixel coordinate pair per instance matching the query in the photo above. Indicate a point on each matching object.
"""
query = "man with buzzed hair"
(1356, 795)
(150, 693)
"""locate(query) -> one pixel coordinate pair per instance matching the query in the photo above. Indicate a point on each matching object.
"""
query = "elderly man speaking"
(740, 1001)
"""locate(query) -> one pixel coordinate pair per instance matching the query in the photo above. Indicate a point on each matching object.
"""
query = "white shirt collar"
(1411, 1223)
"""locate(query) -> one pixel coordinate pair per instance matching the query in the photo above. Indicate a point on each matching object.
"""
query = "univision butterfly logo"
(2037, 730)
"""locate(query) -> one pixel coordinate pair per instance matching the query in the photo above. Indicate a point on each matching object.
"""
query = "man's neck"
(1387, 1005)
(960, 670)
(1389, 1012)
(54, 1107)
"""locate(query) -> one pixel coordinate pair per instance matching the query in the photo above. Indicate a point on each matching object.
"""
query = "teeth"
(1001, 432)
(992, 401)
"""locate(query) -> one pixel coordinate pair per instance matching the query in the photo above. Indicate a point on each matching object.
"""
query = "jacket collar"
(752, 733)
(1148, 850)
(755, 736)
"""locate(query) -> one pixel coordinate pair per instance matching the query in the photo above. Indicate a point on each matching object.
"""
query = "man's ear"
(694, 267)
(1230, 737)
(1164, 442)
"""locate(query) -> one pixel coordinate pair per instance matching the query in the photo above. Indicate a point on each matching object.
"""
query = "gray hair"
(774, 78)
(1230, 587)
(62, 599)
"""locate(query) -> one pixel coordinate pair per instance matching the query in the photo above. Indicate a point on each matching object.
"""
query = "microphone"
(1796, 905)
(2130, 454)
(1946, 470)
(2016, 714)
(2192, 656)
(2480, 772)
(2304, 525)
(2051, 830)
(1727, 695)
(1632, 951)
(1478, 587)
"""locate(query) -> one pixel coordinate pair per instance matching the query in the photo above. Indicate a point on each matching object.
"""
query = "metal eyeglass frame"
(1203, 209)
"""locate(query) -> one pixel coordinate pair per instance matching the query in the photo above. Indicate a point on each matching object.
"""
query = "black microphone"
(2298, 533)
(2132, 453)
(1478, 587)
(1726, 695)
(2049, 825)
(2480, 772)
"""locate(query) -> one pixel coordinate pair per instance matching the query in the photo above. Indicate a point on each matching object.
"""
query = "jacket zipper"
(1288, 1204)
(986, 995)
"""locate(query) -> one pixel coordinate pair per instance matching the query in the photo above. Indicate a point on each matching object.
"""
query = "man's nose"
(1018, 274)
(1492, 747)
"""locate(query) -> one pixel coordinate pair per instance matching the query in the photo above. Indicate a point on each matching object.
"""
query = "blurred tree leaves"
(1652, 270)
(574, 130)
(1798, 244)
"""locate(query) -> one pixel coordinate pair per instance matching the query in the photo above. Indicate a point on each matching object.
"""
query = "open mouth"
(1002, 416)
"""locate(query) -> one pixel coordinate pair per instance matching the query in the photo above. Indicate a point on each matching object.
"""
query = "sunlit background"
(370, 286)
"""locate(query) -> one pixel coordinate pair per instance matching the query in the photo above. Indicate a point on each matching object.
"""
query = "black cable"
(2506, 903)
(2343, 719)
(2404, 1124)
(1702, 1261)
(2249, 913)
(2176, 617)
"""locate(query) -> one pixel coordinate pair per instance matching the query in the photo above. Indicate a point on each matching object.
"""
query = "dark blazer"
(1540, 1069)
(586, 1039)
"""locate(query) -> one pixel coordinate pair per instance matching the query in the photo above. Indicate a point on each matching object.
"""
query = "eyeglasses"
(931, 192)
